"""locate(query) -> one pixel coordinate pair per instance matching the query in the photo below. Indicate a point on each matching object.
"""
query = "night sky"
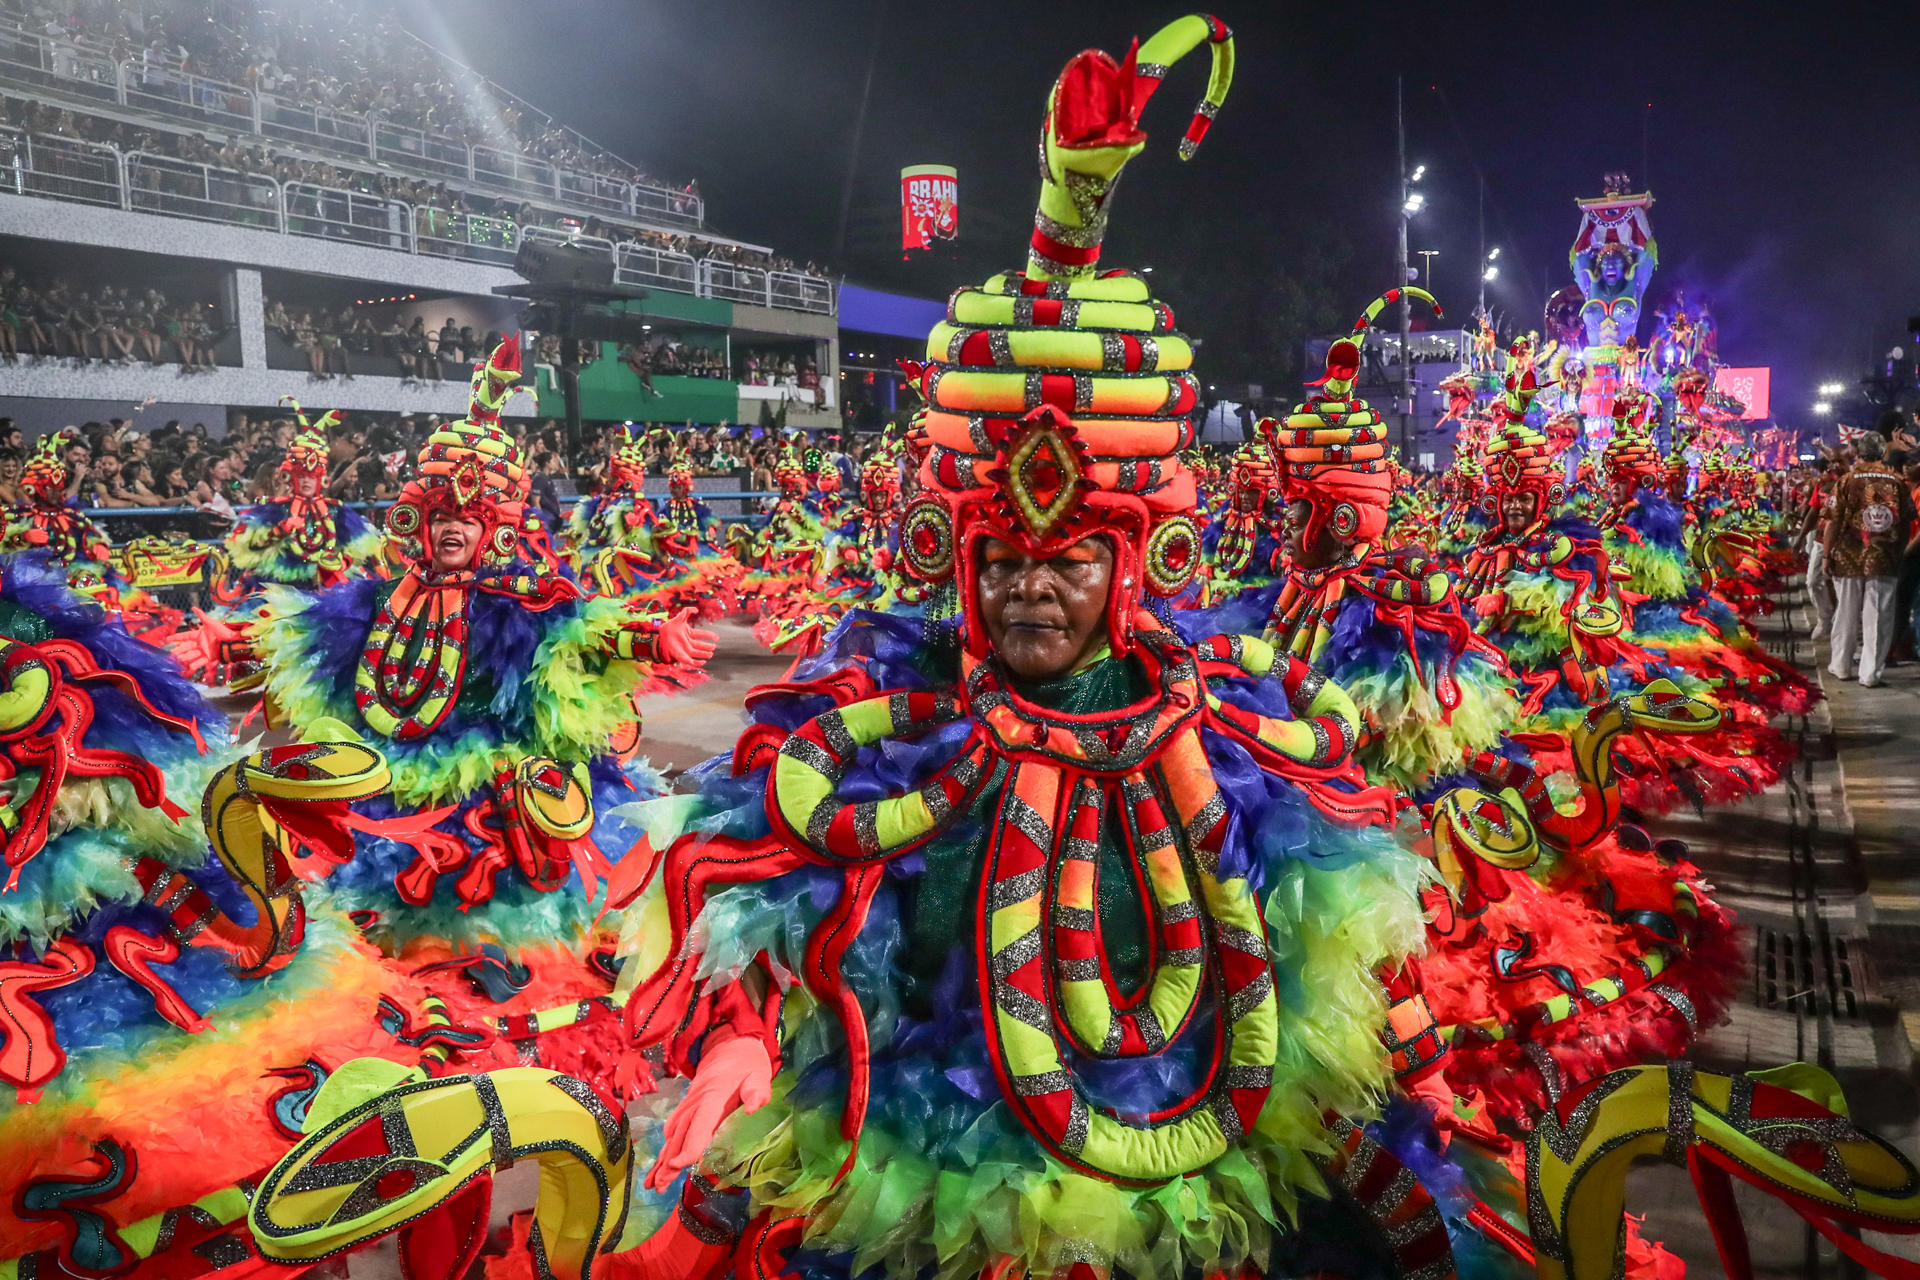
(1780, 147)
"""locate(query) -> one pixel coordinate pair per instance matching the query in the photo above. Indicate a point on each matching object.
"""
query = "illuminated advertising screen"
(1750, 387)
(929, 205)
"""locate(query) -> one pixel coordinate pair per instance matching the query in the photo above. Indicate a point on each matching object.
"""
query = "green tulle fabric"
(1658, 574)
(912, 1216)
(577, 697)
(1417, 738)
(98, 829)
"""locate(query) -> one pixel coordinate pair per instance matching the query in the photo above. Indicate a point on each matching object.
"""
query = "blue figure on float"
(1613, 259)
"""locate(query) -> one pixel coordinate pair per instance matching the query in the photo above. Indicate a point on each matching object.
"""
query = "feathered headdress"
(307, 455)
(45, 475)
(1331, 451)
(1058, 398)
(471, 468)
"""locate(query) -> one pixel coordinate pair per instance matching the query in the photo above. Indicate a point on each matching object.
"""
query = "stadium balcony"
(45, 166)
(69, 74)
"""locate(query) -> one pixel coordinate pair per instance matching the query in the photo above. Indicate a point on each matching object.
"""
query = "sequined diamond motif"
(1043, 478)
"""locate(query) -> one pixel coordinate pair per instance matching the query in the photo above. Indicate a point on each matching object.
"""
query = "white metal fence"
(61, 168)
(35, 61)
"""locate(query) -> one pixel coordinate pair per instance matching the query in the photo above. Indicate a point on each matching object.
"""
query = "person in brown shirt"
(1866, 538)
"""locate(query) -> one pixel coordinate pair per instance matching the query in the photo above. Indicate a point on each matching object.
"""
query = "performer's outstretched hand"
(734, 1075)
(680, 641)
(198, 649)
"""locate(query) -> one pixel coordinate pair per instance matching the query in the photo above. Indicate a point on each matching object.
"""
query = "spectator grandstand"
(305, 122)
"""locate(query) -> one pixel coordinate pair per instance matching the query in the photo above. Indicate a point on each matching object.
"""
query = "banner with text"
(929, 205)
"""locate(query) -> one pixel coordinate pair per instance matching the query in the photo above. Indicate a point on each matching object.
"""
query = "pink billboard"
(1750, 387)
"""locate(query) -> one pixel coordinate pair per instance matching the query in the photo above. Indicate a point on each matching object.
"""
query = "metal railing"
(41, 63)
(651, 268)
(511, 171)
(166, 92)
(61, 168)
(470, 237)
(37, 61)
(69, 169)
(162, 184)
(433, 153)
(329, 213)
(340, 133)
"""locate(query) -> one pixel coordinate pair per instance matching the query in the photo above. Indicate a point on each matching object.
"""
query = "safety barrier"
(61, 168)
(35, 61)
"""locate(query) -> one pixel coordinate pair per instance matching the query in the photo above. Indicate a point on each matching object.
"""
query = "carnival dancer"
(610, 533)
(1532, 896)
(687, 542)
(168, 1012)
(1675, 615)
(51, 524)
(1044, 768)
(1242, 553)
(301, 537)
(861, 565)
(905, 953)
(783, 557)
(499, 697)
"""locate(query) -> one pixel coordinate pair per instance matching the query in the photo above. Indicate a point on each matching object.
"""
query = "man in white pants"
(1866, 537)
(1814, 534)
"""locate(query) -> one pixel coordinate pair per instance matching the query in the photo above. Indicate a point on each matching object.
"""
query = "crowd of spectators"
(46, 316)
(317, 56)
(442, 212)
(420, 350)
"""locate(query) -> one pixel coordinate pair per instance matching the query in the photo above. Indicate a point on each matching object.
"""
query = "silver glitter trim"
(810, 754)
(1084, 969)
(1679, 1112)
(1188, 957)
(1035, 1086)
(1246, 1075)
(1229, 1118)
(1679, 1000)
(1208, 108)
(833, 727)
(1249, 997)
(955, 343)
(1013, 957)
(866, 827)
(1151, 70)
(1072, 917)
(977, 434)
(1021, 816)
(1113, 353)
(1082, 393)
(1152, 1034)
(1075, 1137)
(1075, 849)
(1149, 353)
(1000, 346)
(1211, 815)
(1005, 893)
(1179, 912)
(1033, 389)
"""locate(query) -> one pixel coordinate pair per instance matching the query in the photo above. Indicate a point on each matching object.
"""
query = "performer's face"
(1044, 617)
(454, 541)
(1518, 509)
(305, 486)
(1325, 548)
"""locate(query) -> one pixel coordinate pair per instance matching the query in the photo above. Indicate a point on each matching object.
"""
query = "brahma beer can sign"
(929, 205)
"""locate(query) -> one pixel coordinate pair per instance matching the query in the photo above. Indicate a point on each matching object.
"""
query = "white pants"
(1819, 589)
(1863, 623)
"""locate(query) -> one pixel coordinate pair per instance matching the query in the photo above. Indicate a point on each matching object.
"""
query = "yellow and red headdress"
(1520, 459)
(44, 477)
(880, 477)
(307, 455)
(627, 463)
(1631, 456)
(471, 468)
(1058, 398)
(1331, 451)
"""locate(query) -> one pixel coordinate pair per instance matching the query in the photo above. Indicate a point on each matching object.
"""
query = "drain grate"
(1795, 973)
